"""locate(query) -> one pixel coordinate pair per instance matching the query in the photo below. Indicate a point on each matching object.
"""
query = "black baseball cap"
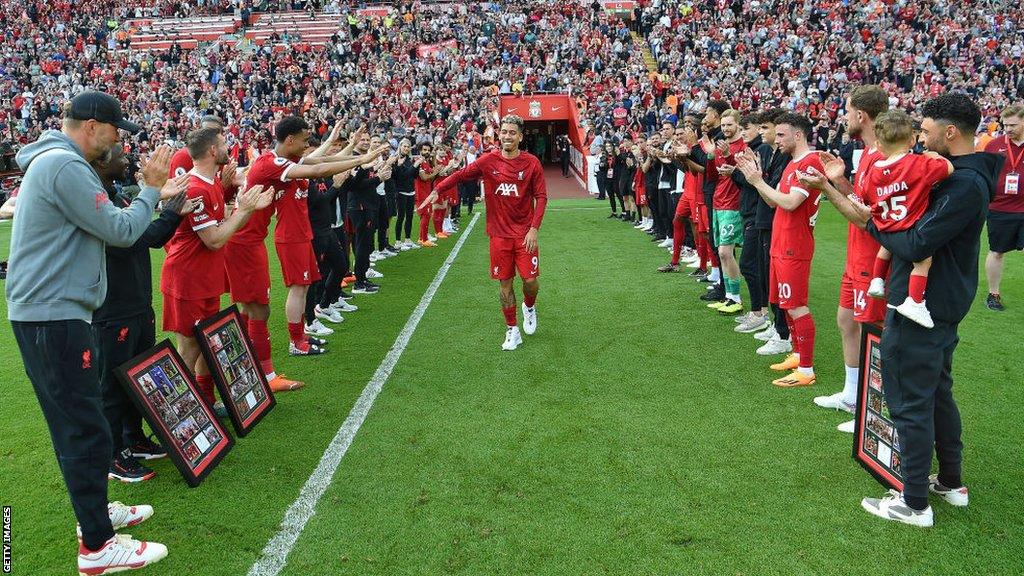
(102, 107)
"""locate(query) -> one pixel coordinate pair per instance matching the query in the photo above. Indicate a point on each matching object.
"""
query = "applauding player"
(515, 195)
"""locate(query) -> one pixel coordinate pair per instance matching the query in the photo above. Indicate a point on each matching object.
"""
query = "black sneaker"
(713, 296)
(318, 341)
(126, 468)
(613, 215)
(698, 273)
(365, 287)
(706, 278)
(994, 302)
(147, 449)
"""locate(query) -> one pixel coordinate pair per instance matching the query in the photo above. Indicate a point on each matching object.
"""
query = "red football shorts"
(508, 255)
(298, 263)
(181, 315)
(684, 208)
(248, 272)
(701, 219)
(853, 295)
(788, 282)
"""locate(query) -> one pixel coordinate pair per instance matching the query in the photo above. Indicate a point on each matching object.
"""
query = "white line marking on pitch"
(275, 554)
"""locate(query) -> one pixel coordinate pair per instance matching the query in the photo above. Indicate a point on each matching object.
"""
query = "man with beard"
(917, 362)
(192, 279)
(727, 224)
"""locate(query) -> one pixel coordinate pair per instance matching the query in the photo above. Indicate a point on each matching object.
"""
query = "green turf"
(635, 433)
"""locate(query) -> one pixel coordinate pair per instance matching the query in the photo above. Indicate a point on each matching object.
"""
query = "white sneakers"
(847, 427)
(916, 311)
(120, 553)
(666, 243)
(893, 507)
(375, 256)
(955, 496)
(766, 334)
(512, 338)
(328, 314)
(373, 274)
(774, 346)
(529, 319)
(876, 289)
(835, 402)
(342, 306)
(752, 323)
(317, 328)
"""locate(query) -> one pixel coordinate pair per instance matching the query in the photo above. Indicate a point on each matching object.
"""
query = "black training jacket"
(362, 189)
(129, 271)
(949, 232)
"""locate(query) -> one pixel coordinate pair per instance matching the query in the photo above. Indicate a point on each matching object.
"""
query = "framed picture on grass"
(876, 445)
(166, 395)
(235, 369)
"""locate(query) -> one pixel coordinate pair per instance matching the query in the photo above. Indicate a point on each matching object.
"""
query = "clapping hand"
(228, 173)
(174, 186)
(181, 204)
(750, 165)
(722, 148)
(255, 198)
(835, 168)
(812, 178)
(155, 168)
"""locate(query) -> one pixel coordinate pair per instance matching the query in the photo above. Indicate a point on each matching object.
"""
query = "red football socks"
(295, 333)
(917, 286)
(803, 331)
(205, 382)
(881, 269)
(424, 227)
(261, 342)
(510, 315)
(677, 239)
(245, 323)
(438, 221)
(529, 300)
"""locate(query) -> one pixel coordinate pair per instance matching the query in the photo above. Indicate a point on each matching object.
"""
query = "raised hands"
(255, 198)
(173, 186)
(155, 168)
(750, 165)
(181, 204)
(835, 168)
(228, 174)
(812, 178)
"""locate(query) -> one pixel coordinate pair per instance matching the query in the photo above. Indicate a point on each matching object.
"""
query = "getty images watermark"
(7, 539)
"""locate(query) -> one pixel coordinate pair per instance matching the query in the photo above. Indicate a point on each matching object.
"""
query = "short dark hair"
(772, 115)
(514, 120)
(801, 123)
(870, 99)
(719, 106)
(750, 118)
(289, 126)
(199, 141)
(669, 122)
(954, 108)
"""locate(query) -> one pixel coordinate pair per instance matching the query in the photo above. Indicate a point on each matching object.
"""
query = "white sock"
(850, 385)
(716, 275)
(806, 371)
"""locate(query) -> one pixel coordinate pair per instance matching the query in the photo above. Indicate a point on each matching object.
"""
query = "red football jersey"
(793, 231)
(192, 271)
(727, 192)
(266, 170)
(1012, 201)
(861, 247)
(898, 189)
(181, 163)
(510, 188)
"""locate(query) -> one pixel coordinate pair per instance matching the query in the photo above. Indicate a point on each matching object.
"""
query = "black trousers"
(60, 361)
(363, 224)
(917, 365)
(119, 341)
(406, 208)
(468, 193)
(750, 267)
(383, 223)
(346, 248)
(654, 206)
(333, 263)
(666, 209)
(764, 261)
(565, 164)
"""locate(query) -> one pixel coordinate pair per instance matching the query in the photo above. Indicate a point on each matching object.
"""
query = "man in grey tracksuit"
(57, 278)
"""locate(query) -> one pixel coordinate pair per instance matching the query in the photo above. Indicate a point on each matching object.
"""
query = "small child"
(898, 190)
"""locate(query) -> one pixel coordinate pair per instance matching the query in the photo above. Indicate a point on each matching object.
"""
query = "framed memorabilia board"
(166, 395)
(235, 368)
(876, 445)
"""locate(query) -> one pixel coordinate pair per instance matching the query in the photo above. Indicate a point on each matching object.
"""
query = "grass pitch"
(634, 433)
